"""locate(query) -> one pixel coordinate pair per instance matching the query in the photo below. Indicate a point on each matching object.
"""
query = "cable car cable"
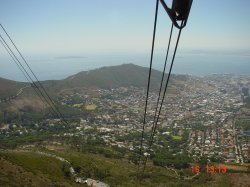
(165, 89)
(162, 79)
(53, 103)
(148, 85)
(19, 67)
(26, 74)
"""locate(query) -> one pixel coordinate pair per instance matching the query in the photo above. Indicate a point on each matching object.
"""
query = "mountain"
(105, 77)
(111, 77)
(115, 76)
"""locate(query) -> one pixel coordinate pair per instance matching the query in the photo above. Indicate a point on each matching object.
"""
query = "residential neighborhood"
(205, 112)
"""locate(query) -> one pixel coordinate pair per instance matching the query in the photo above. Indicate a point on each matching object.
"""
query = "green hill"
(114, 76)
(105, 77)
(108, 77)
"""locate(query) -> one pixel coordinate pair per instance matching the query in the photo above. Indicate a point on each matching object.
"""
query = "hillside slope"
(9, 87)
(105, 77)
(27, 168)
(114, 76)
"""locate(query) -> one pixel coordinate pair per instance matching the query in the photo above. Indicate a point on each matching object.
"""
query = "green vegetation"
(25, 139)
(94, 99)
(14, 175)
(136, 108)
(78, 105)
(38, 170)
(117, 107)
(247, 101)
(108, 153)
(177, 137)
(36, 163)
(90, 107)
(49, 169)
(167, 159)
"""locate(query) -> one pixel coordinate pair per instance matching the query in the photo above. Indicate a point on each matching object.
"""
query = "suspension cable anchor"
(179, 11)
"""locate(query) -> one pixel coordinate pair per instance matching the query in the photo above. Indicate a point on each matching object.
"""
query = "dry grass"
(240, 179)
(236, 167)
(27, 99)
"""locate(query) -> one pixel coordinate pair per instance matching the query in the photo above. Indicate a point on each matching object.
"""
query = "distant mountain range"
(105, 77)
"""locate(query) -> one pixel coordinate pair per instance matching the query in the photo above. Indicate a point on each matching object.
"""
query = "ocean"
(48, 67)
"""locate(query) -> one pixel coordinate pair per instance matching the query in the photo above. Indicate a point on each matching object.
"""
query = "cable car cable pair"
(25, 73)
(179, 12)
(43, 94)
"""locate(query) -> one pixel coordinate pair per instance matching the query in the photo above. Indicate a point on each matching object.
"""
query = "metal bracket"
(179, 11)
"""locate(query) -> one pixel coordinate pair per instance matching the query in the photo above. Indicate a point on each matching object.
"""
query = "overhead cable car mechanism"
(179, 11)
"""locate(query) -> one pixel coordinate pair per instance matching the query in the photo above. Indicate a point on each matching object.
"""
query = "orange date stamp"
(209, 169)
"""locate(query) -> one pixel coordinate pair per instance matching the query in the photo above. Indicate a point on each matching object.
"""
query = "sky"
(97, 26)
(82, 27)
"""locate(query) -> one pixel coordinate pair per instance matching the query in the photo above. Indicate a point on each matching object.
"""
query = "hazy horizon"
(197, 63)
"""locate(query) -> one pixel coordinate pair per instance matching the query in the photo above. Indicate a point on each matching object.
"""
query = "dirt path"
(20, 91)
